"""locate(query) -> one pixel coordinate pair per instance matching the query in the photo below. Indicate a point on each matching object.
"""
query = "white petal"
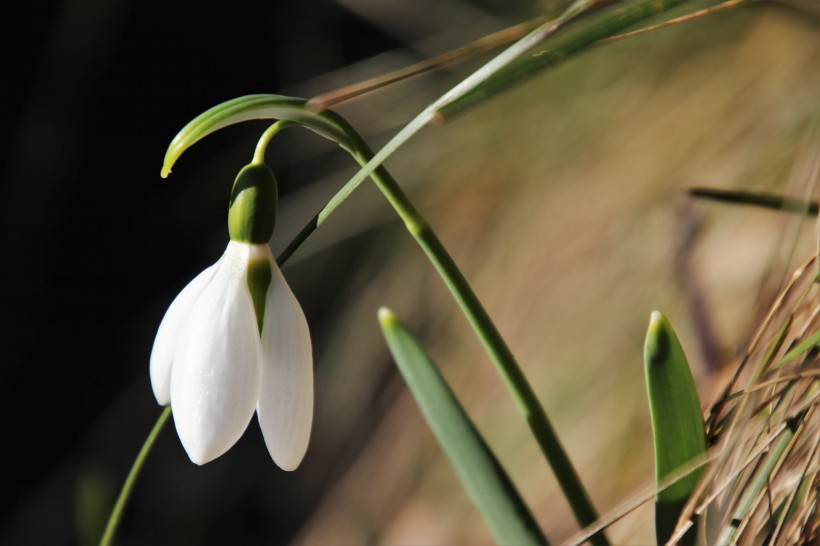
(168, 334)
(215, 375)
(285, 407)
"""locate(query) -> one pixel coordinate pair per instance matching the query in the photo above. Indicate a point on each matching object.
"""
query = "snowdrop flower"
(235, 341)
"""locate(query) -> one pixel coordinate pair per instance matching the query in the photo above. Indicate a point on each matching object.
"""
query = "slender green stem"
(128, 486)
(499, 352)
(479, 320)
(267, 136)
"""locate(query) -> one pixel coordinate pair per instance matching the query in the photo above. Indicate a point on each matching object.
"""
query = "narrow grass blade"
(729, 4)
(757, 199)
(445, 60)
(775, 346)
(557, 49)
(488, 485)
(807, 345)
(755, 487)
(795, 499)
(677, 423)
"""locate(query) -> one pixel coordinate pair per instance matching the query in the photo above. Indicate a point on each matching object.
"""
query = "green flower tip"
(252, 210)
(658, 342)
(386, 317)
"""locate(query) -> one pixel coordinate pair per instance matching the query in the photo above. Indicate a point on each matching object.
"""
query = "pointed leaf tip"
(386, 316)
(677, 423)
(658, 340)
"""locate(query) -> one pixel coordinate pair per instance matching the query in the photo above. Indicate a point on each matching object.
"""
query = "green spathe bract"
(246, 108)
(252, 210)
(677, 423)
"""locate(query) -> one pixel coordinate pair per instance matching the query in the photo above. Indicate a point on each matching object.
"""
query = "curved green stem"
(520, 388)
(500, 354)
(128, 486)
(267, 136)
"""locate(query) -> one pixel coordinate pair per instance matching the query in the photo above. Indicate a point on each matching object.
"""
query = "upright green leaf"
(677, 423)
(488, 485)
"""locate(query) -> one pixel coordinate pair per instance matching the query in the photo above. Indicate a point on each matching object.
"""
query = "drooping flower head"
(235, 341)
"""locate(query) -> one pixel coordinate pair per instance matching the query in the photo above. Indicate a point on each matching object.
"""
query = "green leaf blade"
(488, 485)
(806, 346)
(677, 422)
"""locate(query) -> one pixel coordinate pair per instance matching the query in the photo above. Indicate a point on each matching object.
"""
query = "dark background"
(96, 245)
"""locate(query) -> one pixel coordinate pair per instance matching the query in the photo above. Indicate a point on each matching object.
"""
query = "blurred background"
(563, 201)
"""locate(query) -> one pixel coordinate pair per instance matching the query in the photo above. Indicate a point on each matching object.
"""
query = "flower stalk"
(131, 479)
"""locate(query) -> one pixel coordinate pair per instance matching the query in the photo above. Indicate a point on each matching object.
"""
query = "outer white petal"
(215, 375)
(286, 398)
(168, 334)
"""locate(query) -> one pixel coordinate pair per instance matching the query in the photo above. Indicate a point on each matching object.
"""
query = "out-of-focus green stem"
(757, 199)
(541, 54)
(128, 486)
